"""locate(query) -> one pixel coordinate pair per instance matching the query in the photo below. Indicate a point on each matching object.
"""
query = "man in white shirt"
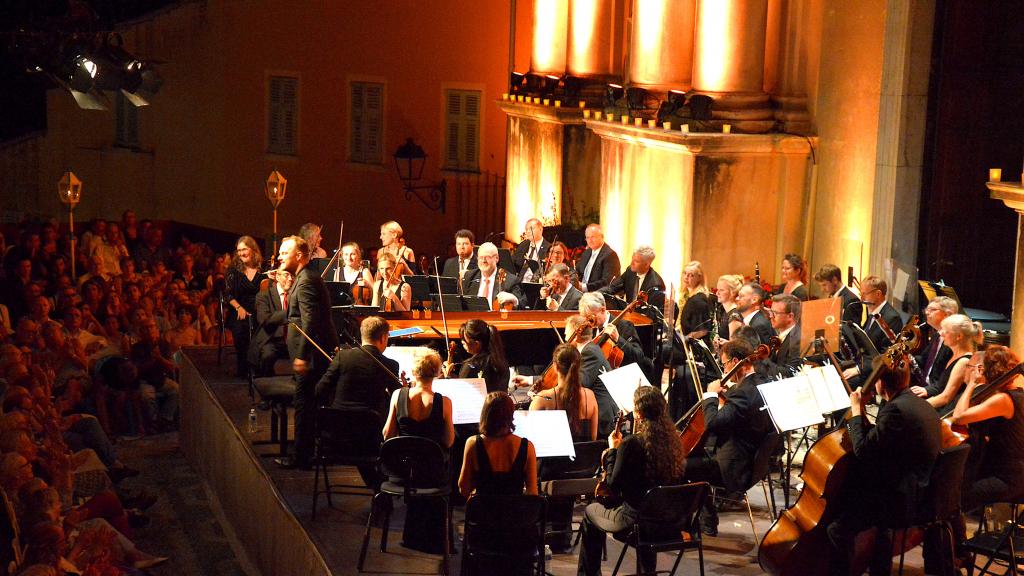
(484, 281)
(531, 251)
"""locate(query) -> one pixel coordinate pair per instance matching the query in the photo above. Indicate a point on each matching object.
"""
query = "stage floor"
(270, 508)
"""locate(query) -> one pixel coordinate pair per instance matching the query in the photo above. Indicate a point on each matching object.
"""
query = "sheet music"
(622, 382)
(827, 387)
(791, 403)
(467, 396)
(547, 429)
(405, 356)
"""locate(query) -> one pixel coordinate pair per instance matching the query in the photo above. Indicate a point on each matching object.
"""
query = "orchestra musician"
(785, 313)
(738, 426)
(390, 292)
(748, 312)
(599, 263)
(483, 281)
(459, 265)
(934, 355)
(892, 463)
(830, 280)
(309, 310)
(392, 242)
(486, 356)
(268, 340)
(531, 252)
(873, 305)
(794, 277)
(558, 293)
(651, 456)
(727, 288)
(695, 304)
(560, 254)
(639, 277)
(355, 273)
(962, 336)
(311, 234)
(622, 333)
(592, 364)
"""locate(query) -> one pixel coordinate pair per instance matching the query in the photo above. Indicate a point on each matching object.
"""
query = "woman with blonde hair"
(962, 336)
(390, 293)
(695, 303)
(726, 290)
(392, 241)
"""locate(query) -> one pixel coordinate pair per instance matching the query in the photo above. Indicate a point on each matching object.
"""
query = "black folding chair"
(345, 437)
(668, 520)
(504, 543)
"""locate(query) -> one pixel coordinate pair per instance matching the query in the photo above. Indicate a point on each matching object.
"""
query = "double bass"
(796, 544)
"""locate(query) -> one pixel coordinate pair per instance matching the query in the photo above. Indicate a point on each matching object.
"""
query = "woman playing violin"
(579, 403)
(355, 273)
(390, 292)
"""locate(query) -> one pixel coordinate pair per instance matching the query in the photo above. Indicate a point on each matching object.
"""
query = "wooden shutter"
(462, 133)
(367, 125)
(282, 110)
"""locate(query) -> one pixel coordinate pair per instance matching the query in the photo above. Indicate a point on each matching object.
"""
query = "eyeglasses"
(975, 366)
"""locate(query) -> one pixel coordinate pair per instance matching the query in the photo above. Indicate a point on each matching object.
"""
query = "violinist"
(355, 273)
(785, 314)
(592, 365)
(892, 464)
(392, 242)
(738, 425)
(459, 265)
(934, 355)
(579, 403)
(622, 333)
(486, 281)
(531, 251)
(639, 277)
(311, 234)
(961, 336)
(390, 293)
(558, 293)
(486, 356)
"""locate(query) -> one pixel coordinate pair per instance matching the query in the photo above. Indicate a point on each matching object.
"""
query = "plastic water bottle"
(252, 421)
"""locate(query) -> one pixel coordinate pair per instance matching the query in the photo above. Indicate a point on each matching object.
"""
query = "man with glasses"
(785, 315)
(934, 355)
(484, 281)
(876, 311)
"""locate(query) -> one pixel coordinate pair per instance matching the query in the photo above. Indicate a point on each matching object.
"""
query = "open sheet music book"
(801, 400)
(622, 383)
(467, 396)
(547, 429)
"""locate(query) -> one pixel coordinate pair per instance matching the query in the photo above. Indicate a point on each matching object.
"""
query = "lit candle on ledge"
(638, 122)
(547, 101)
(536, 100)
(995, 174)
(685, 127)
(652, 123)
(625, 118)
(609, 116)
(586, 113)
(726, 128)
(558, 103)
(583, 104)
(519, 98)
(504, 96)
(667, 125)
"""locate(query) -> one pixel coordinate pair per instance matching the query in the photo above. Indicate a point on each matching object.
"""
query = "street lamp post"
(69, 190)
(276, 186)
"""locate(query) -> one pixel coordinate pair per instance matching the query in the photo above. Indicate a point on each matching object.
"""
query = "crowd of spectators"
(87, 360)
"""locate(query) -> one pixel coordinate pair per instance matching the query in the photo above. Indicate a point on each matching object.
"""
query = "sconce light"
(275, 187)
(409, 161)
(69, 190)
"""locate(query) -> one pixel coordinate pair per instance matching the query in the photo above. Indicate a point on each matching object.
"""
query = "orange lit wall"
(534, 173)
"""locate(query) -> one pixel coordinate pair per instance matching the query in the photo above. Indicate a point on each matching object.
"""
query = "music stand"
(475, 304)
(860, 338)
(318, 265)
(341, 293)
(531, 292)
(425, 286)
(821, 318)
(505, 261)
(459, 303)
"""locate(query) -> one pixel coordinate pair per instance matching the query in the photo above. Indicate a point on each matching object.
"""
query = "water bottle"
(252, 421)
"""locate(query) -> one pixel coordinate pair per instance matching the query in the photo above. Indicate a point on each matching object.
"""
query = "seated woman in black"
(497, 461)
(419, 411)
(486, 356)
(651, 456)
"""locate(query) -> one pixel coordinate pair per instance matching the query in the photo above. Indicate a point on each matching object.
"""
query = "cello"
(796, 544)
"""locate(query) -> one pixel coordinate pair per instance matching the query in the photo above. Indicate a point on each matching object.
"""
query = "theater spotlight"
(549, 85)
(612, 94)
(573, 86)
(672, 104)
(635, 98)
(700, 106)
(516, 82)
(534, 83)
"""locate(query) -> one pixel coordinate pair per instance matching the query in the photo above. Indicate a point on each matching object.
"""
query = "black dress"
(510, 482)
(696, 316)
(940, 385)
(1002, 461)
(424, 519)
(480, 366)
(244, 291)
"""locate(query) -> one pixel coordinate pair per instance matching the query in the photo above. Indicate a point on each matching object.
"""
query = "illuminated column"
(550, 22)
(728, 61)
(788, 24)
(1012, 194)
(595, 39)
(661, 46)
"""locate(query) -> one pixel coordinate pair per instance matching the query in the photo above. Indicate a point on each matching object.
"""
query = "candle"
(638, 121)
(558, 103)
(586, 113)
(667, 125)
(995, 174)
(685, 127)
(547, 101)
(726, 128)
(504, 96)
(652, 123)
(536, 100)
(609, 116)
(625, 118)
(583, 104)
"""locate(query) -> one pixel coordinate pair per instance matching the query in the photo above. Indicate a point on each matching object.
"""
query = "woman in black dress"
(962, 336)
(419, 411)
(497, 461)
(242, 283)
(486, 356)
(794, 277)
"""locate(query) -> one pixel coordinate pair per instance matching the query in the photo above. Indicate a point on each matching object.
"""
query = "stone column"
(1012, 194)
(789, 90)
(595, 39)
(661, 45)
(728, 61)
(550, 29)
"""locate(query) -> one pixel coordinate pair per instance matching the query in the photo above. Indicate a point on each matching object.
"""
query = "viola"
(956, 434)
(549, 377)
(613, 353)
(602, 492)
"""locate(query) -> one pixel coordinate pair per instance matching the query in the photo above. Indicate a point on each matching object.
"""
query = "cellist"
(622, 333)
(893, 462)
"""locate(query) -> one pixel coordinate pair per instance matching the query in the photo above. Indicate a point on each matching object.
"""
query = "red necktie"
(284, 301)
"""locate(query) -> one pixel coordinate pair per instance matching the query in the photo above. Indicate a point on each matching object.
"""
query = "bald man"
(484, 280)
(598, 264)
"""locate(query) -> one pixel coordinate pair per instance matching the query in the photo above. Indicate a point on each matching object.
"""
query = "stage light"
(573, 86)
(549, 85)
(612, 94)
(673, 103)
(635, 97)
(700, 106)
(516, 82)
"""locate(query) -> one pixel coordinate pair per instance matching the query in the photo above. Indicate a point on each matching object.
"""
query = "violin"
(449, 365)
(549, 377)
(760, 353)
(499, 281)
(613, 353)
(602, 493)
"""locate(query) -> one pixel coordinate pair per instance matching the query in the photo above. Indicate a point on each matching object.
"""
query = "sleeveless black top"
(944, 379)
(582, 432)
(1004, 455)
(431, 427)
(510, 482)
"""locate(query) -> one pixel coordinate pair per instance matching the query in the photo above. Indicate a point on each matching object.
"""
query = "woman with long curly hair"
(651, 456)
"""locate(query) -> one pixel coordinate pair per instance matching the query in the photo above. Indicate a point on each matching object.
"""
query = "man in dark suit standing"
(830, 280)
(786, 322)
(892, 465)
(558, 293)
(268, 342)
(531, 252)
(309, 321)
(873, 295)
(739, 427)
(639, 277)
(458, 266)
(599, 263)
(748, 312)
(484, 280)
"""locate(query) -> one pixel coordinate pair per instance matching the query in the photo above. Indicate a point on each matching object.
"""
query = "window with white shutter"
(282, 115)
(367, 122)
(462, 130)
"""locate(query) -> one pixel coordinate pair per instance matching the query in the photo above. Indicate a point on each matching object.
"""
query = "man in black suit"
(748, 312)
(592, 365)
(622, 333)
(873, 297)
(786, 322)
(830, 280)
(309, 321)
(558, 293)
(268, 342)
(640, 277)
(599, 263)
(484, 280)
(531, 252)
(738, 426)
(893, 463)
(458, 266)
(934, 355)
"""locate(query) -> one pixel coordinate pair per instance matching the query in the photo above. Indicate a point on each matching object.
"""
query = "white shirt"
(784, 333)
(747, 317)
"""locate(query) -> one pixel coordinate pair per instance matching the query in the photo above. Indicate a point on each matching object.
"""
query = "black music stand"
(423, 287)
(459, 303)
(531, 292)
(505, 261)
(341, 293)
(318, 265)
